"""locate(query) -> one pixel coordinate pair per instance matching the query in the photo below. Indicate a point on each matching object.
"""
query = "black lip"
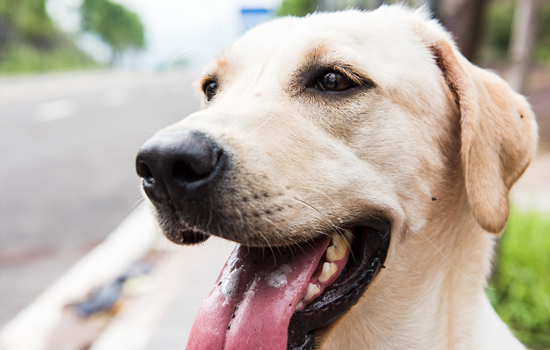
(369, 249)
(176, 230)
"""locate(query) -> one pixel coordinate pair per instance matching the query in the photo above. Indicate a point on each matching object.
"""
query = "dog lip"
(175, 231)
(369, 249)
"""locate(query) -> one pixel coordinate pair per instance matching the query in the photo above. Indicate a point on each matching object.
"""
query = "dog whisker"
(323, 193)
(453, 265)
(268, 244)
(282, 217)
(138, 202)
(318, 211)
(336, 228)
(154, 129)
(271, 222)
(198, 50)
(217, 23)
(209, 220)
(240, 216)
(259, 126)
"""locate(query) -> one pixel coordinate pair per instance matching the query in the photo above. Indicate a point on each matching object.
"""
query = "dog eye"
(210, 88)
(333, 81)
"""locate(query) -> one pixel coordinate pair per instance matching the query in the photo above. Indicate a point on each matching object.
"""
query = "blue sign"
(252, 17)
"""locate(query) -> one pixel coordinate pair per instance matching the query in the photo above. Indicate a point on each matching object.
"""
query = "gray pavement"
(67, 147)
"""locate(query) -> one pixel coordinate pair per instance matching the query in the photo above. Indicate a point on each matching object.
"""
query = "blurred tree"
(328, 5)
(30, 42)
(522, 42)
(116, 25)
(27, 21)
(542, 48)
(498, 27)
(464, 18)
(297, 7)
(303, 7)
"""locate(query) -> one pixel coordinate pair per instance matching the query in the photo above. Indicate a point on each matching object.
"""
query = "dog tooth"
(299, 305)
(312, 289)
(348, 234)
(329, 269)
(337, 250)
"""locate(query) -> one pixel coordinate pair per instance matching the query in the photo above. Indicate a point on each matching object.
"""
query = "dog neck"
(436, 301)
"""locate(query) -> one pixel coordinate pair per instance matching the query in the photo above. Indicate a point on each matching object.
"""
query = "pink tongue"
(254, 298)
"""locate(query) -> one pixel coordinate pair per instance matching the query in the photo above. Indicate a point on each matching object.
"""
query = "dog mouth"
(281, 297)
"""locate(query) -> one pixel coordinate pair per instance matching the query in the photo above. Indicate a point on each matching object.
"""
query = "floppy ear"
(498, 134)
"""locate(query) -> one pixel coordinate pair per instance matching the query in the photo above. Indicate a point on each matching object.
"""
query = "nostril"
(146, 173)
(183, 172)
(178, 165)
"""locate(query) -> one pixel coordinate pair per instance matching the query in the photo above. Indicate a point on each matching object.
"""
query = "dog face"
(304, 158)
(365, 123)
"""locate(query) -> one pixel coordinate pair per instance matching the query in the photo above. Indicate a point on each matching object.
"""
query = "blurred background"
(83, 83)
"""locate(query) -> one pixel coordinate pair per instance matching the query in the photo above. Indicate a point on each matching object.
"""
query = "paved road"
(67, 148)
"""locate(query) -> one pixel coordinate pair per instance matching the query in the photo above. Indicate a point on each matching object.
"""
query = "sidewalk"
(532, 191)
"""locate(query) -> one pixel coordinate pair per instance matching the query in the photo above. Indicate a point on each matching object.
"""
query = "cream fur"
(434, 126)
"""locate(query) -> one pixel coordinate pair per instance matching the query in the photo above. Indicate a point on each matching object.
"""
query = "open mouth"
(278, 298)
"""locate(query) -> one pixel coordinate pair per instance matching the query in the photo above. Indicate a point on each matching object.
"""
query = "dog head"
(343, 131)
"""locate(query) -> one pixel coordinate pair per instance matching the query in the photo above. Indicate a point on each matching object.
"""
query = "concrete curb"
(133, 238)
(180, 280)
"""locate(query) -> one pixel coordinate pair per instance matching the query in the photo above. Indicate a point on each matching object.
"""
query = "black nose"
(175, 165)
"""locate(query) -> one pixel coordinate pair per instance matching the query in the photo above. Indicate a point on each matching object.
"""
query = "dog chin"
(179, 231)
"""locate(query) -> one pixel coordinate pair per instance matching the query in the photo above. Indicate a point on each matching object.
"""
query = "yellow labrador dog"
(363, 166)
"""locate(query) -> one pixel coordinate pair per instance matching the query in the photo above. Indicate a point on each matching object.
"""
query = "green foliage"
(117, 26)
(542, 50)
(498, 30)
(303, 7)
(522, 280)
(498, 24)
(297, 7)
(25, 20)
(31, 43)
(25, 58)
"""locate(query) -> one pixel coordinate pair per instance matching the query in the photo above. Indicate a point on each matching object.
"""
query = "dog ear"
(498, 134)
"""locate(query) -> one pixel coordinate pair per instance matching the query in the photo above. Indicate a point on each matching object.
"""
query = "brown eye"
(210, 88)
(333, 81)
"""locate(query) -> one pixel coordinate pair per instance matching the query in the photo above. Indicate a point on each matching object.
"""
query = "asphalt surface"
(67, 147)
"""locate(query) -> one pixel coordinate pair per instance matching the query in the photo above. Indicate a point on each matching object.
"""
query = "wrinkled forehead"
(381, 46)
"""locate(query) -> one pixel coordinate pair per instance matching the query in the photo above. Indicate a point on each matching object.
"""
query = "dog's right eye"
(210, 88)
(333, 81)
